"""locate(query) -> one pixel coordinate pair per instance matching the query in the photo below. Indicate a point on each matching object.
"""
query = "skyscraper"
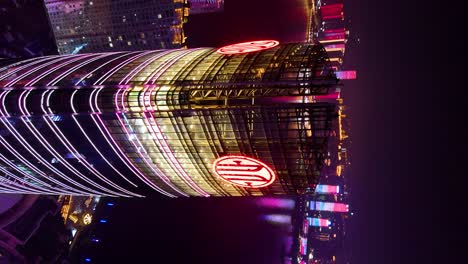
(107, 25)
(245, 119)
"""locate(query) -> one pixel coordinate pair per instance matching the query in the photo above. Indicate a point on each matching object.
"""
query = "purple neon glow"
(280, 203)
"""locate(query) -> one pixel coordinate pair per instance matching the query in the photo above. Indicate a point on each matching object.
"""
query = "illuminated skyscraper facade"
(184, 122)
(107, 25)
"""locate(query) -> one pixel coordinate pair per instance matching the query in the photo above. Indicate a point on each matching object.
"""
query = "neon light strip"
(125, 159)
(35, 69)
(16, 187)
(20, 157)
(64, 74)
(104, 64)
(70, 148)
(2, 158)
(119, 66)
(331, 40)
(55, 68)
(15, 167)
(25, 184)
(30, 149)
(73, 151)
(157, 133)
(90, 101)
(158, 72)
(137, 69)
(37, 134)
(156, 137)
(145, 156)
(95, 147)
(85, 162)
(103, 79)
(37, 60)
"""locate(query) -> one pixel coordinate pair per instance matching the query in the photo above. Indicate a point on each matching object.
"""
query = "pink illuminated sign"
(244, 171)
(246, 47)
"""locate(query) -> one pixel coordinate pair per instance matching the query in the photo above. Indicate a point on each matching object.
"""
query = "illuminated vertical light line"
(3, 95)
(69, 146)
(116, 97)
(96, 101)
(102, 65)
(108, 74)
(125, 159)
(162, 144)
(30, 149)
(137, 69)
(159, 136)
(35, 69)
(38, 60)
(94, 146)
(73, 151)
(145, 158)
(55, 68)
(67, 72)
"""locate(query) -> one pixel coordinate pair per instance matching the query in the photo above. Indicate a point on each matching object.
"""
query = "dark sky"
(245, 20)
(406, 131)
(198, 230)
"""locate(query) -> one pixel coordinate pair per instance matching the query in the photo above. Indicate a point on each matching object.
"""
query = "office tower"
(105, 25)
(235, 121)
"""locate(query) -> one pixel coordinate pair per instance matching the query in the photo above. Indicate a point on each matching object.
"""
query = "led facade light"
(131, 123)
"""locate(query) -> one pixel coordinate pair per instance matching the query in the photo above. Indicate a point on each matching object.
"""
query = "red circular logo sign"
(244, 171)
(246, 47)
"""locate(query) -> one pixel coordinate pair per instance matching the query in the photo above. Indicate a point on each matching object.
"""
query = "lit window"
(129, 43)
(111, 45)
(159, 16)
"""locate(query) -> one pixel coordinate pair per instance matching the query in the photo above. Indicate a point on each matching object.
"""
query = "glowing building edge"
(124, 123)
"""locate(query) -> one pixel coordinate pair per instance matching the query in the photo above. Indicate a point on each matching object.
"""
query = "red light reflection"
(244, 171)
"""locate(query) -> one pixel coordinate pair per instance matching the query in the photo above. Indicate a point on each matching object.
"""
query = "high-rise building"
(107, 25)
(240, 120)
(205, 6)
